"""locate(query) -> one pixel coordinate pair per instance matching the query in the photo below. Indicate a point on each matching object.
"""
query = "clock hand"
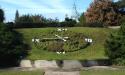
(61, 38)
(66, 37)
(64, 40)
(58, 36)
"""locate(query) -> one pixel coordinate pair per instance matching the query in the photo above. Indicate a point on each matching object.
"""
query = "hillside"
(94, 51)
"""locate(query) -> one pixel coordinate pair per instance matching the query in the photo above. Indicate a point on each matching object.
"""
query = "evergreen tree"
(12, 46)
(16, 16)
(115, 46)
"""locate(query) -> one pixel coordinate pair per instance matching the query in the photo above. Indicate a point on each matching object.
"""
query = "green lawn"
(103, 72)
(89, 72)
(21, 73)
(95, 51)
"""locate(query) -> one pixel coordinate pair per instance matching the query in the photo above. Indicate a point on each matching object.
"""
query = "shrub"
(11, 44)
(95, 24)
(55, 46)
(69, 22)
(115, 47)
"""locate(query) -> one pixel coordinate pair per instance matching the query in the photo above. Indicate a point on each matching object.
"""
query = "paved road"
(62, 73)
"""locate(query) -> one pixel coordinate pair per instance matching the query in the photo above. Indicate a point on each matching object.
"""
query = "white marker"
(66, 29)
(64, 52)
(90, 40)
(57, 52)
(86, 39)
(33, 40)
(59, 29)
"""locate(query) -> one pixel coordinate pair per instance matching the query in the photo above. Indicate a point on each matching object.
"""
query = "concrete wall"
(45, 64)
(65, 64)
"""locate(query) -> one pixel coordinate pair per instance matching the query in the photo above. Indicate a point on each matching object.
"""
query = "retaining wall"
(63, 64)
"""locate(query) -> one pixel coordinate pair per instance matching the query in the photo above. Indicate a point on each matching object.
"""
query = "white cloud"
(24, 3)
(49, 7)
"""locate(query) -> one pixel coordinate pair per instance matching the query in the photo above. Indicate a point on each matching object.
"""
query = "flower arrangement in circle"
(61, 41)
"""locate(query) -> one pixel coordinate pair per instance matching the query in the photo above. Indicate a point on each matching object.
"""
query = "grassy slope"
(21, 73)
(95, 51)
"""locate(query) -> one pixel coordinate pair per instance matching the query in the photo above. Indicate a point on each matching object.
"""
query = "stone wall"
(45, 64)
(63, 64)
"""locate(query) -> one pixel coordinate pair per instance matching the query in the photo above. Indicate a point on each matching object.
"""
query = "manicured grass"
(21, 73)
(94, 51)
(103, 72)
(89, 72)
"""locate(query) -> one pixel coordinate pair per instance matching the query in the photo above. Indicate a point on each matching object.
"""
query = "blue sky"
(48, 8)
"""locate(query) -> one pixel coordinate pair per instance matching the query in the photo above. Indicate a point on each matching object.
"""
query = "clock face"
(61, 40)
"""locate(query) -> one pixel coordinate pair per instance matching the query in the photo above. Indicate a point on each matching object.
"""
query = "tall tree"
(16, 16)
(1, 15)
(37, 18)
(121, 9)
(102, 11)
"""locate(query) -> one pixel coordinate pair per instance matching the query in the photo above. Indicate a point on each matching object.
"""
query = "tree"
(12, 46)
(35, 21)
(16, 16)
(69, 22)
(102, 11)
(121, 3)
(121, 9)
(115, 46)
(37, 18)
(31, 19)
(1, 15)
(82, 20)
(25, 19)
